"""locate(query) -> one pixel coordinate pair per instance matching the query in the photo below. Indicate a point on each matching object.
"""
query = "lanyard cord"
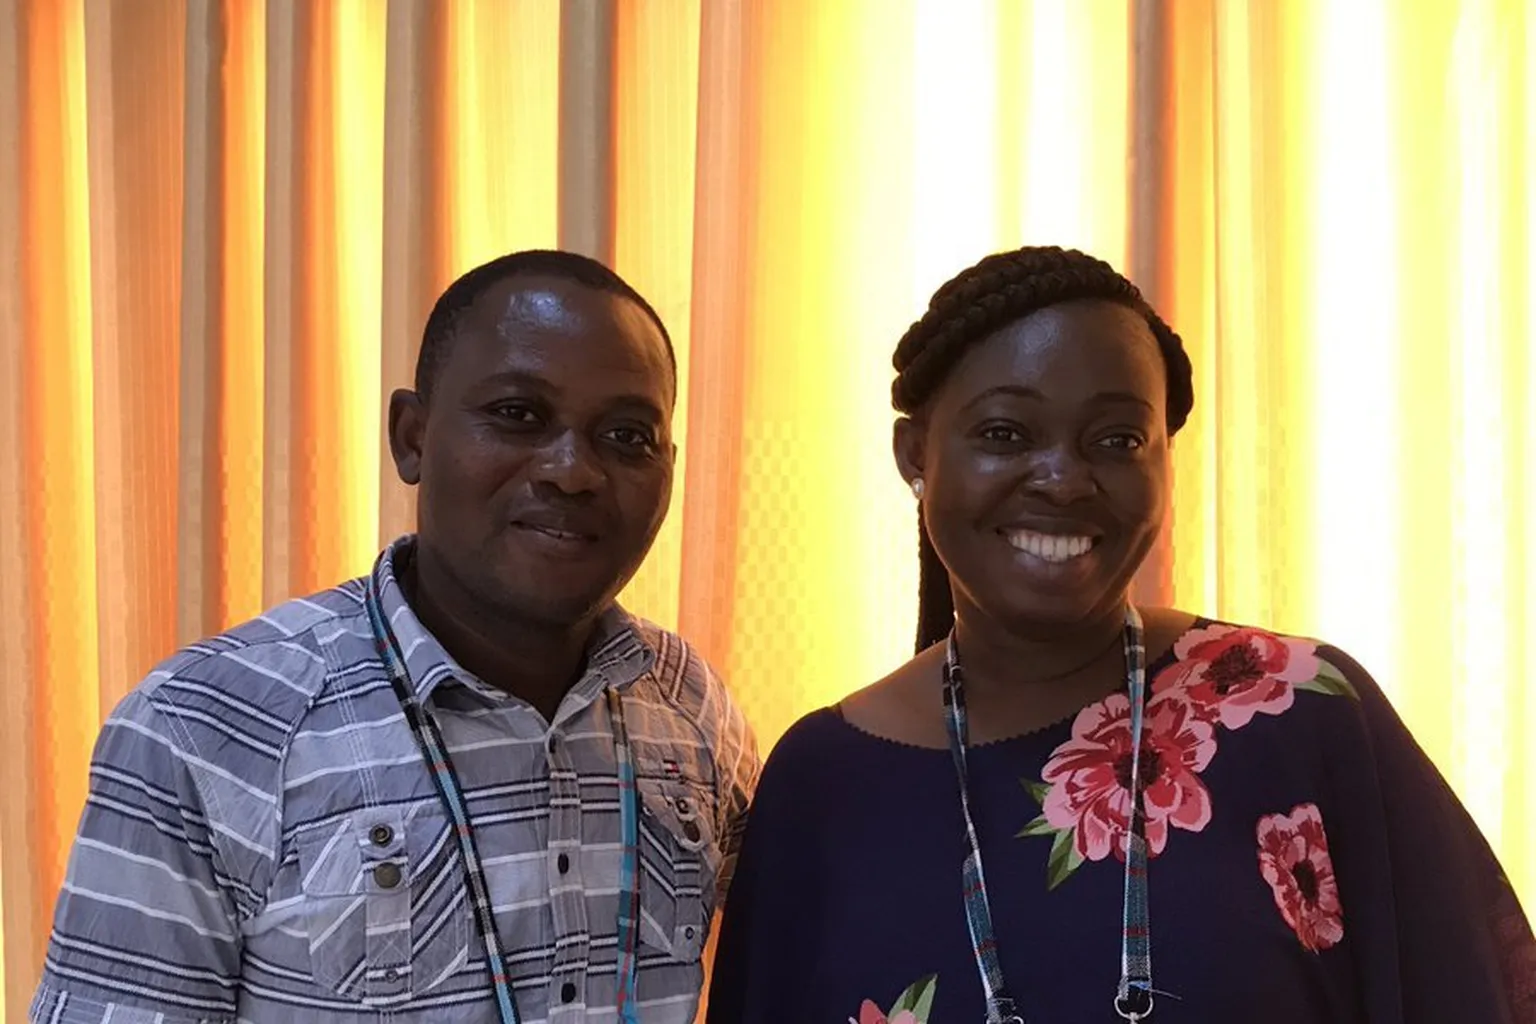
(434, 751)
(1133, 997)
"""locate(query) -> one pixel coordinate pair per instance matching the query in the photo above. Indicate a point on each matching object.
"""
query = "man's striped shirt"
(262, 841)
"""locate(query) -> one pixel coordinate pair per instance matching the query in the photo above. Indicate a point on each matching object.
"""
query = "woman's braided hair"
(977, 302)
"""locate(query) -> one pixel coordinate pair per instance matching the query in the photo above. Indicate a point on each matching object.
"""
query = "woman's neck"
(1016, 683)
(994, 654)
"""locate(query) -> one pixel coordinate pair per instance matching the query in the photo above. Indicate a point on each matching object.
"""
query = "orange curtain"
(222, 223)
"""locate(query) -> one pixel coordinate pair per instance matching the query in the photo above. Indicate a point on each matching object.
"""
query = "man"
(467, 787)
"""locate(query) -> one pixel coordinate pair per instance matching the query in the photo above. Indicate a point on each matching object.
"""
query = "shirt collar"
(617, 653)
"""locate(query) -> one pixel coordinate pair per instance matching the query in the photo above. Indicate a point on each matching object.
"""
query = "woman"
(956, 843)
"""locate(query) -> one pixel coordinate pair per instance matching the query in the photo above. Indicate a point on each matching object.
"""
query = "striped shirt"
(262, 841)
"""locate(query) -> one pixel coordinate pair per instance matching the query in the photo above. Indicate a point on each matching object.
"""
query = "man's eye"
(514, 413)
(1122, 442)
(632, 437)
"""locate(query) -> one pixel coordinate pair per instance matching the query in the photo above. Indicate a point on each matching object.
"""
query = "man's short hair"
(442, 325)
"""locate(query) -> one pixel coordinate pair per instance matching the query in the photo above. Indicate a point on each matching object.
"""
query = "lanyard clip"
(1134, 1004)
(1003, 1011)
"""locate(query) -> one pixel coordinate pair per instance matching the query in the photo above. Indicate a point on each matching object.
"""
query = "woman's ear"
(907, 442)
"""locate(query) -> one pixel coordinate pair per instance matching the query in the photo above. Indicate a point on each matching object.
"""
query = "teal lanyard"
(1133, 998)
(434, 752)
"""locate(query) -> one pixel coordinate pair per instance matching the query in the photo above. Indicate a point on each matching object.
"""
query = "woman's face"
(1044, 458)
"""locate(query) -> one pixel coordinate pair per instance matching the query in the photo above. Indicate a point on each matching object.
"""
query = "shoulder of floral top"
(1230, 674)
(1221, 678)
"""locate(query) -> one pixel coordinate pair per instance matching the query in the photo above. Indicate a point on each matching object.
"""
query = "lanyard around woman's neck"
(1133, 998)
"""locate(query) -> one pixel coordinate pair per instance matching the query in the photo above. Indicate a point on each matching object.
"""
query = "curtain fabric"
(222, 224)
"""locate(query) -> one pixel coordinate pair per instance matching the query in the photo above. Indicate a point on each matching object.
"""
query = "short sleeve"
(1463, 946)
(768, 930)
(737, 768)
(146, 930)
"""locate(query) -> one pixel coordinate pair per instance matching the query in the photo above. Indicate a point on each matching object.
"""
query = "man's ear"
(407, 433)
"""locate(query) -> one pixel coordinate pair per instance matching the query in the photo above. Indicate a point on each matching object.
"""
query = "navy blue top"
(1308, 863)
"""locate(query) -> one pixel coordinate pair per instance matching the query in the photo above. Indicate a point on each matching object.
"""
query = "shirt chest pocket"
(384, 903)
(679, 859)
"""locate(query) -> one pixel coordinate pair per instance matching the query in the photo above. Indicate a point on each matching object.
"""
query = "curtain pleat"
(198, 564)
(586, 195)
(134, 115)
(56, 441)
(417, 243)
(656, 94)
(21, 878)
(219, 473)
(1151, 241)
(324, 195)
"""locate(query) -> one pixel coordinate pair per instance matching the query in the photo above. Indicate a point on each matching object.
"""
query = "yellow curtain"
(221, 224)
(1355, 223)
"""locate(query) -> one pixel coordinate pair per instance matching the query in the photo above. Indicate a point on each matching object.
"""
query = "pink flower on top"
(1230, 673)
(1089, 775)
(1294, 860)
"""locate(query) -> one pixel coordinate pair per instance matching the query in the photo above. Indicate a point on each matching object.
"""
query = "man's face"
(544, 453)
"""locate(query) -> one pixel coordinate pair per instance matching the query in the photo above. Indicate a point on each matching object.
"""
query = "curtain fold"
(62, 707)
(20, 900)
(1151, 238)
(655, 129)
(222, 225)
(586, 128)
(198, 519)
(219, 472)
(134, 122)
(418, 253)
(324, 195)
(724, 232)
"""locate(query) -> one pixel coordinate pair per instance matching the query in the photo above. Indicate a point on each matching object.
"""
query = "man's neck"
(534, 662)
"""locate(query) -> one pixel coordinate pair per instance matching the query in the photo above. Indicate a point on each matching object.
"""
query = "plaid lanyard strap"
(1133, 999)
(434, 752)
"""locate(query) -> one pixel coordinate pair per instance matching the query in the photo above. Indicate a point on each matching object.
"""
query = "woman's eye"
(1122, 442)
(1000, 433)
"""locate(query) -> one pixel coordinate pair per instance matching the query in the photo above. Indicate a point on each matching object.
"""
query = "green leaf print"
(1038, 790)
(1038, 827)
(1329, 681)
(1064, 858)
(918, 999)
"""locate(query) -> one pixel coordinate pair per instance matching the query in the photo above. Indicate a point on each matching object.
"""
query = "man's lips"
(563, 529)
(557, 532)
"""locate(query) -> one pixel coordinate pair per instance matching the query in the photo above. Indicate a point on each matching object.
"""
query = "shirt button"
(568, 992)
(381, 835)
(691, 830)
(684, 805)
(563, 863)
(689, 933)
(391, 975)
(387, 876)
